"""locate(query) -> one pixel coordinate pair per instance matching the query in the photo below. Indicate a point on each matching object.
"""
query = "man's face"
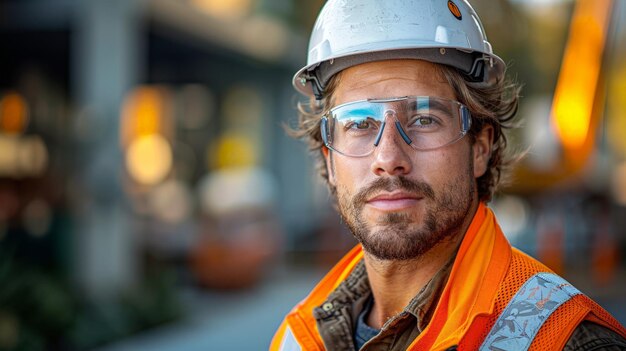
(400, 202)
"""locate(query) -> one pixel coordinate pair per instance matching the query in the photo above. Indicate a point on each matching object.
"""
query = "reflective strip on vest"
(289, 342)
(531, 306)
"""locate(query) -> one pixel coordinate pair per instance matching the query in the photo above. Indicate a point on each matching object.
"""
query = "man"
(408, 108)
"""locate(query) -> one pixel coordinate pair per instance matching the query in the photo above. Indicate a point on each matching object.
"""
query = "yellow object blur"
(13, 113)
(149, 159)
(576, 89)
(234, 151)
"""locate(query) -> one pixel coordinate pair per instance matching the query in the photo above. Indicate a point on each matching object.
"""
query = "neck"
(395, 283)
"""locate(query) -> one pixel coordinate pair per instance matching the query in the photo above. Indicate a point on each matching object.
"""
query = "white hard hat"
(350, 32)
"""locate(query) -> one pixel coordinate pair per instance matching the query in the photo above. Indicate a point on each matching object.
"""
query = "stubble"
(397, 236)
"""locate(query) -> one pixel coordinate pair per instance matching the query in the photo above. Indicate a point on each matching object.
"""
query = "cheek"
(350, 174)
(346, 171)
(441, 167)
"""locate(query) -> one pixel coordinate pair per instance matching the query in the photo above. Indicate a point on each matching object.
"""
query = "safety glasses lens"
(425, 123)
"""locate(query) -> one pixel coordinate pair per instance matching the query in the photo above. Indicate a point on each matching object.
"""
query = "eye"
(424, 121)
(361, 124)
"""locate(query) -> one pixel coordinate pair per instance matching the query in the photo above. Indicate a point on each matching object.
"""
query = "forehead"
(391, 78)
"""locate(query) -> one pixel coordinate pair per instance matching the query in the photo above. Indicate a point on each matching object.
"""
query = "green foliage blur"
(39, 310)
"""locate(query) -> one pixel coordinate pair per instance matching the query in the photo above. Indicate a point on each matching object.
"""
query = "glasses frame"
(464, 115)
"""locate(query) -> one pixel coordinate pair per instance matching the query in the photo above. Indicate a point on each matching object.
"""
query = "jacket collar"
(480, 266)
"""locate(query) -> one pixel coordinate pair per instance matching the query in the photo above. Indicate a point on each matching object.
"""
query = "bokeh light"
(22, 156)
(232, 151)
(229, 190)
(149, 159)
(171, 201)
(13, 113)
(224, 9)
(8, 155)
(32, 159)
(144, 113)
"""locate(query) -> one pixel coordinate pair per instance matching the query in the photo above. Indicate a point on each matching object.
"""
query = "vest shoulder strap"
(530, 307)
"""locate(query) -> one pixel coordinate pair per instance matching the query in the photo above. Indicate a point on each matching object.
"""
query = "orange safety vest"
(496, 297)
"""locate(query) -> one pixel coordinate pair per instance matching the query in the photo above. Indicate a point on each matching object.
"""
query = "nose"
(391, 156)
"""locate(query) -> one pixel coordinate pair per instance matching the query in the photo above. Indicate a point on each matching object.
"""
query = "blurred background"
(151, 200)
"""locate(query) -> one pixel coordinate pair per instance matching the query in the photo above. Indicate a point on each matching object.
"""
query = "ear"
(329, 165)
(482, 150)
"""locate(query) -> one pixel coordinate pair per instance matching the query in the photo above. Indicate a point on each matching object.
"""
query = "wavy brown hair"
(495, 105)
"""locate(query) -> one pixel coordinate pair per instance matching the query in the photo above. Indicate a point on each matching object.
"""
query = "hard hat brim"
(320, 73)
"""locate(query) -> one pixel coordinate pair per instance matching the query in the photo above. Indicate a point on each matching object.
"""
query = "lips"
(396, 201)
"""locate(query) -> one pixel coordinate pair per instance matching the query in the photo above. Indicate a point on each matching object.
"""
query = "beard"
(399, 236)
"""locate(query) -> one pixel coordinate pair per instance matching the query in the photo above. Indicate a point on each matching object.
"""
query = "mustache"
(391, 184)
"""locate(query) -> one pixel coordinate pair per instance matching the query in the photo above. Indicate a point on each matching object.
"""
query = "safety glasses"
(425, 123)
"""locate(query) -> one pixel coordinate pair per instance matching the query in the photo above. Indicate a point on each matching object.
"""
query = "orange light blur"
(13, 113)
(142, 114)
(224, 9)
(145, 129)
(573, 103)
